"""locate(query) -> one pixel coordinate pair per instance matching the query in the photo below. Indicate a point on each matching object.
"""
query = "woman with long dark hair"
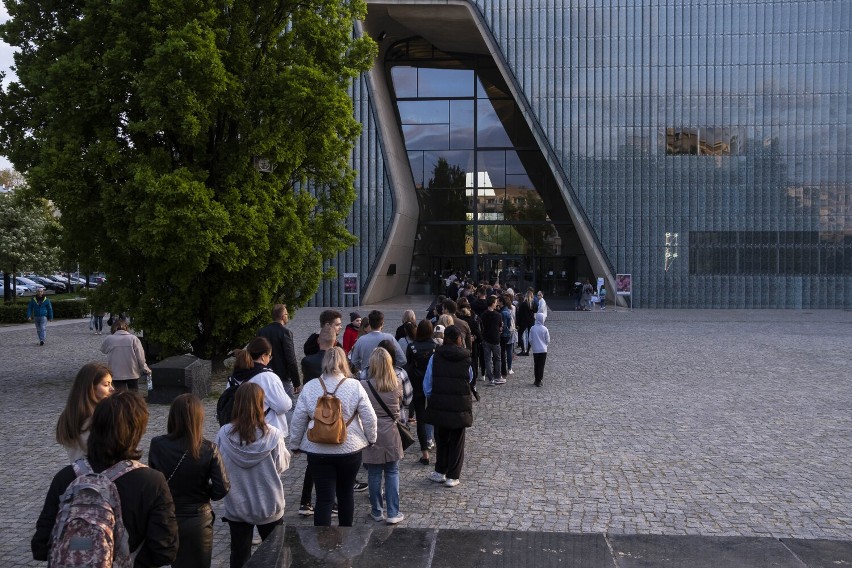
(255, 457)
(418, 356)
(252, 364)
(92, 384)
(195, 474)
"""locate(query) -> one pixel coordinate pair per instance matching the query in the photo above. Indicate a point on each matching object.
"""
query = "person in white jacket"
(334, 466)
(252, 365)
(125, 358)
(255, 457)
(539, 340)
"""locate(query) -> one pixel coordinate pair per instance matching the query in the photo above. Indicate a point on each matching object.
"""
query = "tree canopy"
(144, 122)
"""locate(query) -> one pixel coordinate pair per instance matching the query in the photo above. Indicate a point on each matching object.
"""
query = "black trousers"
(525, 345)
(538, 366)
(241, 536)
(334, 475)
(449, 451)
(504, 354)
(195, 535)
(419, 404)
(129, 384)
(307, 486)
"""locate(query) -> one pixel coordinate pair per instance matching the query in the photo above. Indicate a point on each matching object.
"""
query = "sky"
(5, 64)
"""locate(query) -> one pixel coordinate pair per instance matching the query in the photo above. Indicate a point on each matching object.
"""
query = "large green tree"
(145, 122)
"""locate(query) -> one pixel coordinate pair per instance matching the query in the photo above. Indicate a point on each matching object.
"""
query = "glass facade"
(708, 146)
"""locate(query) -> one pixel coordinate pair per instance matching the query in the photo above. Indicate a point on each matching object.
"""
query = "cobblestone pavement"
(650, 422)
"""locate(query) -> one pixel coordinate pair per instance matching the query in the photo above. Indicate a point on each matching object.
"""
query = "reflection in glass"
(424, 112)
(445, 82)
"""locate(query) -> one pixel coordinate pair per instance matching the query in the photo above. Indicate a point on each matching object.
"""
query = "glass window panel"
(404, 81)
(426, 136)
(424, 112)
(445, 82)
(492, 119)
(494, 165)
(461, 124)
(416, 161)
(448, 168)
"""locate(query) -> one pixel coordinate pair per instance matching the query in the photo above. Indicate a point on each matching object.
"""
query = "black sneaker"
(306, 510)
(360, 486)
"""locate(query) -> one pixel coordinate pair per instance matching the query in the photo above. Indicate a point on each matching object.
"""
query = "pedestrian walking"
(195, 474)
(539, 340)
(40, 311)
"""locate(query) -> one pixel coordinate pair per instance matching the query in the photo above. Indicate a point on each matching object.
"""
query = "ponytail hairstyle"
(257, 347)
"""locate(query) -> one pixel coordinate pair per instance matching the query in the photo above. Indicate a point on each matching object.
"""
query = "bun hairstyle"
(257, 348)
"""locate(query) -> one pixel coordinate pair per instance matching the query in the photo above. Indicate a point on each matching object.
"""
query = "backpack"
(327, 426)
(418, 363)
(89, 529)
(225, 405)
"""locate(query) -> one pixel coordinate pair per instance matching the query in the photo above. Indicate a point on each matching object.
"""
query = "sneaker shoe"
(511, 372)
(360, 486)
(424, 461)
(500, 381)
(430, 445)
(451, 482)
(378, 518)
(255, 540)
(437, 477)
(306, 510)
(334, 510)
(41, 342)
(397, 519)
(491, 383)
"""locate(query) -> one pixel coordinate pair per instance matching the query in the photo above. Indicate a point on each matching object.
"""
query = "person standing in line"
(252, 364)
(418, 356)
(328, 318)
(466, 315)
(539, 340)
(283, 362)
(40, 311)
(383, 457)
(448, 389)
(350, 334)
(602, 296)
(147, 509)
(334, 466)
(407, 316)
(125, 357)
(196, 474)
(255, 457)
(506, 335)
(525, 320)
(588, 290)
(492, 327)
(542, 305)
(311, 369)
(92, 384)
(360, 354)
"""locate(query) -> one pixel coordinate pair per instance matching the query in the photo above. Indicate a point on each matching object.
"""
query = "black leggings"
(241, 536)
(419, 404)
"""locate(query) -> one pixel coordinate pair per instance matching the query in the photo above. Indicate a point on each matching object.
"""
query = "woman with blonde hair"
(255, 457)
(92, 384)
(334, 466)
(408, 316)
(195, 473)
(383, 457)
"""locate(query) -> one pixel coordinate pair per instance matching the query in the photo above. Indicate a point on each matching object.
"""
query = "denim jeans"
(492, 360)
(41, 327)
(374, 480)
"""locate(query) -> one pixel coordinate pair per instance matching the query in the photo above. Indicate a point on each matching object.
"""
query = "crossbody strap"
(380, 401)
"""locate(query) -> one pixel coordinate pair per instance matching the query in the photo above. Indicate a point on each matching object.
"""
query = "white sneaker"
(397, 519)
(437, 477)
(378, 518)
(451, 482)
(500, 381)
(511, 372)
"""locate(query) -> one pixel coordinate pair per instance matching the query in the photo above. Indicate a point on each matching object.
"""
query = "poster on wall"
(350, 283)
(623, 284)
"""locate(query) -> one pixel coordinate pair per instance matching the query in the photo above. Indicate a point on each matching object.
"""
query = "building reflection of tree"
(443, 199)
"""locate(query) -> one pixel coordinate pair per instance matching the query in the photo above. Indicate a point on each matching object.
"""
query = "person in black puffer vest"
(447, 386)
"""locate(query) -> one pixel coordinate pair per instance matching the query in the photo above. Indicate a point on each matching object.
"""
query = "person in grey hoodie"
(539, 340)
(257, 494)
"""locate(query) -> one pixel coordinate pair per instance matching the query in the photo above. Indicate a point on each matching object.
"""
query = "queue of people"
(164, 509)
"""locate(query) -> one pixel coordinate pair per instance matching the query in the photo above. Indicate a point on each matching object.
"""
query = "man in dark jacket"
(492, 326)
(283, 353)
(447, 386)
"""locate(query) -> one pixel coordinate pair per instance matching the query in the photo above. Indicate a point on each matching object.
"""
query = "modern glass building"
(703, 147)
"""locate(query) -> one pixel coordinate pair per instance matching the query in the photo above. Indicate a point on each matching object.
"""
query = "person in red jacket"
(350, 334)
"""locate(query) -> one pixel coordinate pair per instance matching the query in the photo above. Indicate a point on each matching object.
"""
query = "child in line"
(539, 340)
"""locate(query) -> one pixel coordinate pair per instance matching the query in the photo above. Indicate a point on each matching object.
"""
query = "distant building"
(704, 148)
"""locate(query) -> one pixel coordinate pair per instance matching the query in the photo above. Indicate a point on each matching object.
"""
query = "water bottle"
(150, 382)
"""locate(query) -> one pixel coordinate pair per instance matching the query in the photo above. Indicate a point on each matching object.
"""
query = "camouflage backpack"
(89, 529)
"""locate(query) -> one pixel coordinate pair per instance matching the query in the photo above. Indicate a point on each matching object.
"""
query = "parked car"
(57, 287)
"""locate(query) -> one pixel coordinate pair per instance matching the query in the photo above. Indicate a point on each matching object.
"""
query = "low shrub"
(63, 308)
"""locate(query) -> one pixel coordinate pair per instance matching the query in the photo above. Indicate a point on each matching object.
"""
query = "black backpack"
(226, 402)
(418, 362)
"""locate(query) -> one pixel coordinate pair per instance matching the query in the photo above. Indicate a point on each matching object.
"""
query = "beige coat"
(388, 446)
